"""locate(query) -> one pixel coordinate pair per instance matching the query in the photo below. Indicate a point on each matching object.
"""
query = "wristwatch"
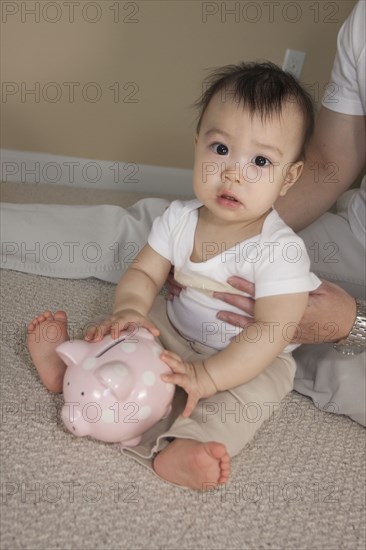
(355, 342)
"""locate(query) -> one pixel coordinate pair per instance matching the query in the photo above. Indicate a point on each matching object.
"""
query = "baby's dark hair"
(261, 87)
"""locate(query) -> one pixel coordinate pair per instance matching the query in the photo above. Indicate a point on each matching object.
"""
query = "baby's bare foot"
(193, 464)
(45, 333)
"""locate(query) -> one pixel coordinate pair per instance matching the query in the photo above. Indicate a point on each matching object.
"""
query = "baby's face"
(242, 163)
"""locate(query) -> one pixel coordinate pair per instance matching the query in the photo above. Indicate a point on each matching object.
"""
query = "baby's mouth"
(228, 197)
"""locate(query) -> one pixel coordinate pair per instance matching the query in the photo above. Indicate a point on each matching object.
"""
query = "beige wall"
(156, 53)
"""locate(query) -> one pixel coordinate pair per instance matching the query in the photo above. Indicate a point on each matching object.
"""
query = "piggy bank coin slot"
(110, 346)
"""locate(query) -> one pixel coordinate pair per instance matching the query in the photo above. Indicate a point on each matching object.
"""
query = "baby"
(254, 124)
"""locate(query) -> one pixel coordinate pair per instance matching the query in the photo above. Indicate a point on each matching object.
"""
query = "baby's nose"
(232, 172)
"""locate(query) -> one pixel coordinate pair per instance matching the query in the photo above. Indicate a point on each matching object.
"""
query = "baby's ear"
(294, 171)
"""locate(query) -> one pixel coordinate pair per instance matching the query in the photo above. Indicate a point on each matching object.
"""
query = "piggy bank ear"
(117, 377)
(73, 352)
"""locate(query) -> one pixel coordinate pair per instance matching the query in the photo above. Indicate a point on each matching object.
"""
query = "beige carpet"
(298, 485)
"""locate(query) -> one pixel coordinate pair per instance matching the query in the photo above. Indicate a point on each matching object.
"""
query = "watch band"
(355, 342)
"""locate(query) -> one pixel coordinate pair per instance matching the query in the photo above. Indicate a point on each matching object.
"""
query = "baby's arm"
(276, 319)
(275, 322)
(135, 294)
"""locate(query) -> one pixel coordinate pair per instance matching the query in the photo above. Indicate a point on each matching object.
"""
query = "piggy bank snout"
(117, 377)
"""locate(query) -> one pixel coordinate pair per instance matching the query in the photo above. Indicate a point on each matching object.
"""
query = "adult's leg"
(75, 242)
(336, 254)
(335, 382)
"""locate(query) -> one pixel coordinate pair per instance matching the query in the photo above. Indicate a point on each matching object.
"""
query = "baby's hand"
(120, 320)
(192, 377)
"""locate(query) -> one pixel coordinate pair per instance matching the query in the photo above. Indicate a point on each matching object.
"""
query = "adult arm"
(335, 157)
(328, 317)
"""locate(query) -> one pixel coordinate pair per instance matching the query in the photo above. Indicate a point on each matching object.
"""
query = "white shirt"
(347, 94)
(276, 261)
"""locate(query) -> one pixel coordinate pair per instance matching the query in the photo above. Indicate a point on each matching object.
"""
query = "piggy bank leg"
(132, 442)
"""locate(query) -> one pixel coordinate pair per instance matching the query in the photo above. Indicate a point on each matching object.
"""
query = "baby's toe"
(47, 314)
(31, 326)
(41, 317)
(60, 316)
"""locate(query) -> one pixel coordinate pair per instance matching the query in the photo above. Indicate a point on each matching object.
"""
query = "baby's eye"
(261, 161)
(219, 148)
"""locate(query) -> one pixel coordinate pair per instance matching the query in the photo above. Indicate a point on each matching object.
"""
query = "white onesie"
(276, 261)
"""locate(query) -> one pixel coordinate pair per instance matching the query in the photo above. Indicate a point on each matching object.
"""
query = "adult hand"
(173, 287)
(329, 315)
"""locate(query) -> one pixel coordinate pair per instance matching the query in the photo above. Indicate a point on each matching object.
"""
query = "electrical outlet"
(294, 62)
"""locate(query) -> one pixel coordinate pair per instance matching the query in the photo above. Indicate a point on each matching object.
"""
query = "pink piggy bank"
(112, 388)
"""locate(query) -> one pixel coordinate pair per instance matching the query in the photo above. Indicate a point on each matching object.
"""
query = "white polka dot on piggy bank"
(108, 416)
(149, 378)
(128, 347)
(89, 363)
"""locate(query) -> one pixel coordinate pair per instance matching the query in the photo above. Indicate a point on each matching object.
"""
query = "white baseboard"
(31, 167)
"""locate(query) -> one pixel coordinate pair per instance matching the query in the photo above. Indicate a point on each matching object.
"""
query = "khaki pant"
(231, 417)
